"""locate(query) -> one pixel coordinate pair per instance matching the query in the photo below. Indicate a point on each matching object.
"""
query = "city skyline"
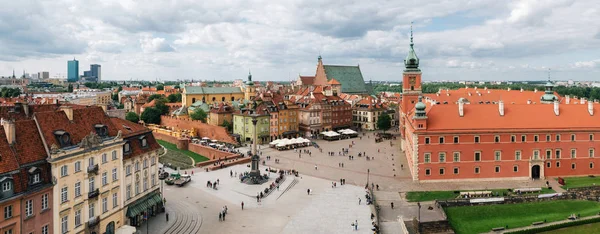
(474, 40)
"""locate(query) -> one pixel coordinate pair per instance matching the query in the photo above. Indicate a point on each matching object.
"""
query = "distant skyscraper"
(73, 71)
(43, 75)
(96, 71)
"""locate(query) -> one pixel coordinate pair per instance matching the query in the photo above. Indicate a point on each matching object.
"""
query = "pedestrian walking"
(167, 216)
(359, 200)
(224, 216)
(315, 166)
(356, 225)
(220, 216)
(308, 192)
(392, 204)
(242, 205)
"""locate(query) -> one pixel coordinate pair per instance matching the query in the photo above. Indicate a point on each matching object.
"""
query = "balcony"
(93, 221)
(93, 169)
(94, 193)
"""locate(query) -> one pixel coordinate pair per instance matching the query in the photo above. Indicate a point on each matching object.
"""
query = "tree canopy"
(10, 92)
(154, 96)
(160, 87)
(384, 122)
(199, 114)
(151, 115)
(176, 97)
(227, 125)
(132, 116)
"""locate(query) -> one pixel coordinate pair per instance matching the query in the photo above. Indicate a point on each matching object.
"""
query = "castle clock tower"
(411, 83)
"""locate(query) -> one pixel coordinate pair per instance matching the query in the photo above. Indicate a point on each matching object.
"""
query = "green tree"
(160, 105)
(70, 88)
(154, 96)
(115, 97)
(120, 106)
(120, 88)
(176, 97)
(160, 87)
(384, 122)
(176, 87)
(132, 116)
(151, 115)
(227, 125)
(199, 114)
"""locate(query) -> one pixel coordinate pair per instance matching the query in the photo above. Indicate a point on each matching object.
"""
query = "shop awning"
(143, 204)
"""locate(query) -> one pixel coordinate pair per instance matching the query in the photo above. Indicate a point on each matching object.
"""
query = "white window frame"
(442, 157)
(45, 201)
(427, 157)
(64, 194)
(77, 188)
(64, 224)
(114, 174)
(29, 208)
(498, 155)
(518, 155)
(77, 218)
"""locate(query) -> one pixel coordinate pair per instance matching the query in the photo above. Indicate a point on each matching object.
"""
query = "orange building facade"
(497, 134)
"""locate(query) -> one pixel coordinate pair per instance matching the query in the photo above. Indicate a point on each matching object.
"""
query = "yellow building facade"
(210, 95)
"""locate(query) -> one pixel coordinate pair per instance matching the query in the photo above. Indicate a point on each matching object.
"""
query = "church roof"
(333, 81)
(349, 76)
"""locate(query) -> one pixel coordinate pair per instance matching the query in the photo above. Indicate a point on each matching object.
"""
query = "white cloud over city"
(277, 40)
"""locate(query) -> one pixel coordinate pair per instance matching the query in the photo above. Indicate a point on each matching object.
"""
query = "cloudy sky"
(277, 40)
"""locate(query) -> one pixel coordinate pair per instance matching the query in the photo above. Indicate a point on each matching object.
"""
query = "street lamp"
(368, 172)
(419, 227)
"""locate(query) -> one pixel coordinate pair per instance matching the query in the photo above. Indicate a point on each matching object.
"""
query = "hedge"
(556, 226)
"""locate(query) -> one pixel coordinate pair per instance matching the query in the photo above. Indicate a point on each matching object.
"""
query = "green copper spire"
(411, 63)
(548, 96)
(249, 81)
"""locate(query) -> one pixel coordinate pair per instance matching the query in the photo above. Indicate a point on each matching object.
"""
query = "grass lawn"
(172, 147)
(583, 229)
(575, 182)
(477, 219)
(419, 196)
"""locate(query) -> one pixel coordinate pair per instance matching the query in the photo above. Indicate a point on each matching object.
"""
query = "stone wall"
(202, 129)
(436, 227)
(209, 152)
(183, 143)
(167, 138)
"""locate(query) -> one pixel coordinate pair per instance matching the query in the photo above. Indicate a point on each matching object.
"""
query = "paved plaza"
(194, 208)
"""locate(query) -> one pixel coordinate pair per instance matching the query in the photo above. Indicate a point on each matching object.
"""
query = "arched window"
(222, 99)
(213, 99)
(193, 100)
(232, 99)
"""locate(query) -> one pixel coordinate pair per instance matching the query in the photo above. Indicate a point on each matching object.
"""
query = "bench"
(537, 223)
(496, 229)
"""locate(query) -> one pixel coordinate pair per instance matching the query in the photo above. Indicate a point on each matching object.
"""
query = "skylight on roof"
(127, 127)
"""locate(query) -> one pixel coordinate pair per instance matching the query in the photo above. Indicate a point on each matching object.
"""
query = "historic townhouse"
(11, 180)
(288, 118)
(472, 134)
(85, 151)
(243, 127)
(366, 113)
(139, 181)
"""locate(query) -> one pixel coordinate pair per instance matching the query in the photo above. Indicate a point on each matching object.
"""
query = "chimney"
(535, 90)
(583, 100)
(9, 129)
(508, 88)
(461, 111)
(568, 99)
(68, 111)
(528, 101)
(521, 90)
(591, 108)
(501, 107)
(556, 108)
(26, 108)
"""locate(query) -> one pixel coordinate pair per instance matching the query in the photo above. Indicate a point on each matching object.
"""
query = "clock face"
(412, 80)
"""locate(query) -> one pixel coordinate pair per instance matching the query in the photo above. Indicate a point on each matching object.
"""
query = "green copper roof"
(211, 90)
(249, 81)
(199, 104)
(349, 76)
(412, 61)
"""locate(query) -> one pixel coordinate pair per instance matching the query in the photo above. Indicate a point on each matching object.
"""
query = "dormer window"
(6, 186)
(101, 130)
(127, 148)
(143, 141)
(34, 175)
(63, 138)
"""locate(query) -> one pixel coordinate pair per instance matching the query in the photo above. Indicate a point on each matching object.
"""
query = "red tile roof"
(307, 80)
(131, 132)
(333, 81)
(9, 161)
(29, 145)
(82, 124)
(516, 117)
(127, 127)
(474, 96)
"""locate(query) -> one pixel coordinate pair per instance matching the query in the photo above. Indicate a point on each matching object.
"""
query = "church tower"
(250, 91)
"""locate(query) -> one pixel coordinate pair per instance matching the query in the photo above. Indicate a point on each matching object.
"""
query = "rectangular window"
(78, 166)
(104, 178)
(548, 138)
(115, 200)
(557, 137)
(64, 194)
(114, 155)
(153, 179)
(442, 157)
(548, 154)
(572, 165)
(557, 164)
(513, 138)
(496, 139)
(137, 187)
(92, 183)
(145, 184)
(476, 170)
(536, 154)
(114, 174)
(427, 157)
(45, 229)
(477, 156)
(427, 171)
(497, 155)
(572, 137)
(441, 140)
(8, 212)
(104, 204)
(29, 208)
(456, 156)
(536, 138)
(557, 153)
(442, 171)
(523, 138)
(456, 170)
(128, 191)
(6, 186)
(476, 139)
(517, 155)
(153, 161)
(77, 218)
(573, 153)
(497, 169)
(455, 139)
(104, 158)
(64, 170)
(128, 170)
(64, 224)
(427, 139)
(91, 210)
(515, 168)
(91, 161)
(591, 165)
(77, 189)
(45, 201)
(591, 137)
(548, 164)
(591, 153)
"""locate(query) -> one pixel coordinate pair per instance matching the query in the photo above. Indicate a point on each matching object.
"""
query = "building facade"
(73, 70)
(243, 127)
(366, 113)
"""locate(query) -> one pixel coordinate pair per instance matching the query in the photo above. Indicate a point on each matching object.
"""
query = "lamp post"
(419, 227)
(368, 172)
